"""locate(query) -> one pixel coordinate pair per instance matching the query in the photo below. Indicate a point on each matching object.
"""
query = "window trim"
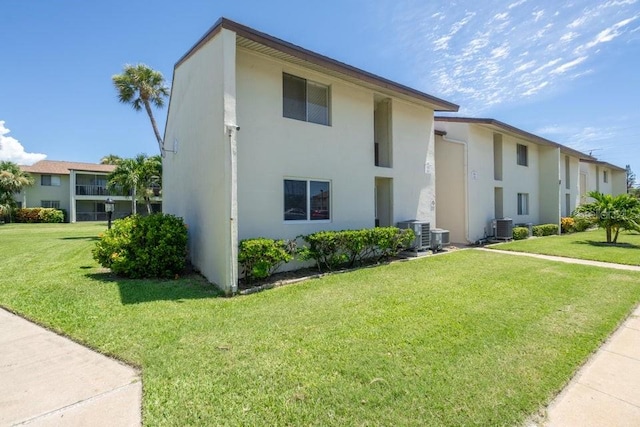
(523, 197)
(526, 155)
(605, 177)
(308, 220)
(306, 100)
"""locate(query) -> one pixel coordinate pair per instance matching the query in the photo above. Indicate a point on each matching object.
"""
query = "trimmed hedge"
(259, 258)
(520, 233)
(39, 215)
(144, 246)
(545, 230)
(582, 222)
(331, 249)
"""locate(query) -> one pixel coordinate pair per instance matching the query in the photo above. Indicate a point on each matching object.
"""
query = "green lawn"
(586, 245)
(468, 338)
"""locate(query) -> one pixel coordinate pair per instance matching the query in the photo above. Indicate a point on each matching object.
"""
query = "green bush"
(582, 222)
(520, 233)
(260, 257)
(51, 215)
(140, 247)
(34, 215)
(545, 230)
(331, 249)
(567, 224)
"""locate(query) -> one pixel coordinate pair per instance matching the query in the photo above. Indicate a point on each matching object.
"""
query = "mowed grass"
(589, 245)
(468, 338)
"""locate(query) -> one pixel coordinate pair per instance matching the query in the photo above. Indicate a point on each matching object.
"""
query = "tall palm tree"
(141, 86)
(139, 177)
(110, 159)
(12, 180)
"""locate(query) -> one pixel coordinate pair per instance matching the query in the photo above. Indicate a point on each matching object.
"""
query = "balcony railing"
(97, 190)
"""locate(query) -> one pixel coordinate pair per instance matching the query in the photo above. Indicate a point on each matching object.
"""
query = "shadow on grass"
(607, 245)
(136, 291)
(88, 238)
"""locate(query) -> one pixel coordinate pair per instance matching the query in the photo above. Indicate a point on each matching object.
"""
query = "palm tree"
(110, 159)
(139, 177)
(613, 213)
(141, 86)
(12, 181)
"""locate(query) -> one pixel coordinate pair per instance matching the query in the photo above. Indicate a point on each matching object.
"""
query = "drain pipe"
(466, 184)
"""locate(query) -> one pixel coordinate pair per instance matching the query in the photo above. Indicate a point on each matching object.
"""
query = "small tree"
(613, 213)
(141, 177)
(631, 179)
(110, 159)
(12, 181)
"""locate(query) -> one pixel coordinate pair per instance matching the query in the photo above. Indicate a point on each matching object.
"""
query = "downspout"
(232, 131)
(466, 184)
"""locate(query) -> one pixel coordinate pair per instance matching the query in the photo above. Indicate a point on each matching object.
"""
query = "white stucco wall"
(540, 179)
(31, 197)
(272, 147)
(197, 179)
(451, 196)
(574, 183)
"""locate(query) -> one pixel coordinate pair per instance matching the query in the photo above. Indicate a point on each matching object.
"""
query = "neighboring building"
(486, 169)
(602, 177)
(80, 189)
(265, 138)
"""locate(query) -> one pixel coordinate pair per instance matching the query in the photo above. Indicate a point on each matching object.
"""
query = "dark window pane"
(295, 200)
(294, 99)
(320, 199)
(45, 180)
(318, 103)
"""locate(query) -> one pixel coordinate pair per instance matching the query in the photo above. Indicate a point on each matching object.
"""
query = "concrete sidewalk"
(606, 390)
(49, 380)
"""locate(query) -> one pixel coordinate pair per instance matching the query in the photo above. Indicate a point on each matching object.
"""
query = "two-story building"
(264, 138)
(80, 189)
(487, 169)
(602, 177)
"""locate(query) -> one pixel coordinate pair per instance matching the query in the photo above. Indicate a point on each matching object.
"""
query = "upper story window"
(605, 176)
(523, 155)
(50, 180)
(305, 100)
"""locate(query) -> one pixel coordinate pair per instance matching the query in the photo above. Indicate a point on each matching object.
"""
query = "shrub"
(34, 215)
(260, 257)
(140, 247)
(545, 230)
(520, 233)
(51, 215)
(330, 249)
(582, 222)
(567, 224)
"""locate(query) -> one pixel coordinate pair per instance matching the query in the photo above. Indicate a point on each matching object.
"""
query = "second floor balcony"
(98, 190)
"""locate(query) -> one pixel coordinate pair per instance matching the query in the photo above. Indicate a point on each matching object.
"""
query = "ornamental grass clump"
(144, 247)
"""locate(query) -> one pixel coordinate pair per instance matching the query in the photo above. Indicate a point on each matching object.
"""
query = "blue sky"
(568, 71)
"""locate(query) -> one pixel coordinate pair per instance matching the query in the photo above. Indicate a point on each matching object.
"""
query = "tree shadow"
(89, 238)
(136, 291)
(607, 245)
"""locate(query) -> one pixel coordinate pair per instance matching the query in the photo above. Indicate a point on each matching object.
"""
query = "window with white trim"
(305, 100)
(55, 204)
(523, 155)
(50, 180)
(523, 203)
(307, 200)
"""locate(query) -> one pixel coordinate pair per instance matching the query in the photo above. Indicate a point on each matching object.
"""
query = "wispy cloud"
(488, 54)
(11, 150)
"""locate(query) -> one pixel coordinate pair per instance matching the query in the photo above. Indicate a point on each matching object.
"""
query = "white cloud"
(11, 149)
(489, 53)
(568, 65)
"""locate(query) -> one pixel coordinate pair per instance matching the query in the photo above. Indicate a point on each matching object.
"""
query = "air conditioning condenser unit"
(422, 240)
(439, 239)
